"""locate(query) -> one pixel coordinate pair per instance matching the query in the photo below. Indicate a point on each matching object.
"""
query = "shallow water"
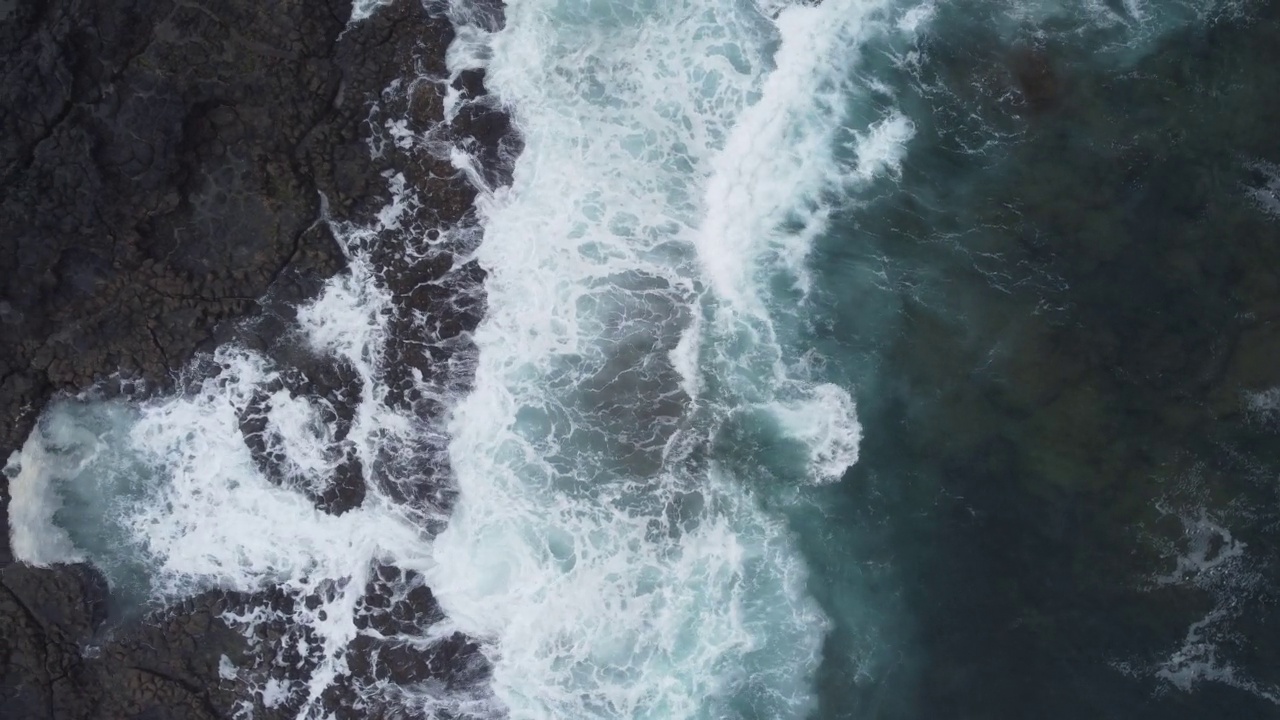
(858, 360)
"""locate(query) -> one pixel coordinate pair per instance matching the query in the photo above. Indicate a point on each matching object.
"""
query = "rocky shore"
(171, 175)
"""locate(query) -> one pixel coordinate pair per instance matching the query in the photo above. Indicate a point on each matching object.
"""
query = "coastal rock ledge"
(168, 169)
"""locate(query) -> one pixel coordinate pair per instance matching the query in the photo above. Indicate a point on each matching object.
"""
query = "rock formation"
(169, 168)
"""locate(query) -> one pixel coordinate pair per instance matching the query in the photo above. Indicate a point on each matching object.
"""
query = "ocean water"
(852, 359)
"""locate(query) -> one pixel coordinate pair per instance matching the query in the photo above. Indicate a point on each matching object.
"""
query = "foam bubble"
(1263, 405)
(883, 146)
(917, 17)
(216, 521)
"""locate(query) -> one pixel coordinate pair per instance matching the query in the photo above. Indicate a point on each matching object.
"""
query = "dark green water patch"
(1075, 294)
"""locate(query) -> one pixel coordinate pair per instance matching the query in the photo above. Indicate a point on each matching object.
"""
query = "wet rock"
(470, 83)
(167, 170)
(56, 667)
(489, 14)
(397, 603)
(162, 194)
(331, 390)
(485, 131)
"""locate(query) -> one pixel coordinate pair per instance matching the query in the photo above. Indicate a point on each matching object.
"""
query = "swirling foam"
(674, 152)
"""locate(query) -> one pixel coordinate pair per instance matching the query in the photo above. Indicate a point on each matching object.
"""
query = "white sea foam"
(770, 189)
(770, 195)
(916, 18)
(1263, 405)
(672, 153)
(881, 148)
(1120, 31)
(1266, 194)
(684, 358)
(362, 9)
(1210, 559)
(826, 423)
(217, 522)
(33, 536)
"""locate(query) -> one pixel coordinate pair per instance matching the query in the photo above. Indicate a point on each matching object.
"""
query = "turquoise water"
(851, 360)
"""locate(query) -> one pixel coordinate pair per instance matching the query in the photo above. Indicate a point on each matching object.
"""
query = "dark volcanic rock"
(152, 184)
(164, 164)
(332, 390)
(166, 168)
(392, 647)
(164, 669)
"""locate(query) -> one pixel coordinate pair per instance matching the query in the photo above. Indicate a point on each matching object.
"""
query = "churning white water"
(608, 555)
(677, 154)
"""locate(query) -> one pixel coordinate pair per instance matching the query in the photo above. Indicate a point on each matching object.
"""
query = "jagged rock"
(333, 390)
(167, 168)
